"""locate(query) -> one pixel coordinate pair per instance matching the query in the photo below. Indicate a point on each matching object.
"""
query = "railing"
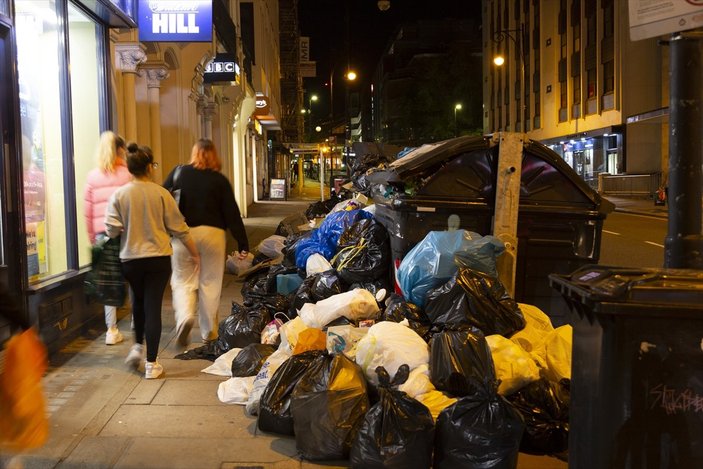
(642, 185)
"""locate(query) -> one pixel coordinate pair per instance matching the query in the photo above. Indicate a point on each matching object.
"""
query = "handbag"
(105, 283)
(24, 424)
(175, 190)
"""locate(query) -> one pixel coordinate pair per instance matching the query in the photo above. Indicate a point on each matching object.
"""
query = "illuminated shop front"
(591, 153)
(57, 105)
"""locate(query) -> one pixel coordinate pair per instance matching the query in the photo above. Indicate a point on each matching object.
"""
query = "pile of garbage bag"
(446, 370)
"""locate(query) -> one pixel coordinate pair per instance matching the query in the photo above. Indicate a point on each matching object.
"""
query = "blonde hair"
(204, 155)
(108, 146)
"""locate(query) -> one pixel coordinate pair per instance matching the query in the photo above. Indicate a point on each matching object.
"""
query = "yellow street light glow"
(318, 129)
(499, 60)
(302, 111)
(313, 97)
(457, 107)
(351, 75)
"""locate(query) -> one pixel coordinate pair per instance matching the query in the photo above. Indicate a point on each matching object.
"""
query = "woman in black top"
(207, 202)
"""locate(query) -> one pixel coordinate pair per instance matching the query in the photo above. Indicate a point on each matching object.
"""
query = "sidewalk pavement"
(638, 206)
(104, 415)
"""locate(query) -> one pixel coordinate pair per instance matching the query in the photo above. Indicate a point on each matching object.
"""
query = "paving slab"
(188, 392)
(96, 452)
(175, 421)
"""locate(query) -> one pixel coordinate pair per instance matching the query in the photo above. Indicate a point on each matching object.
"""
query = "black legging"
(147, 278)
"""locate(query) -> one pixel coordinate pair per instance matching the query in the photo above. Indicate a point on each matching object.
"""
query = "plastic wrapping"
(397, 432)
(545, 407)
(537, 327)
(262, 378)
(248, 362)
(237, 266)
(235, 390)
(479, 431)
(105, 282)
(477, 300)
(480, 254)
(328, 407)
(460, 362)
(274, 406)
(272, 246)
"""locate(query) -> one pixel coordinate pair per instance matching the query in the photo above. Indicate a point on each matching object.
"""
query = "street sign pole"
(684, 243)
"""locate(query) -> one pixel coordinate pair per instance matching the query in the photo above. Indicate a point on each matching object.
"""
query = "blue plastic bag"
(324, 239)
(431, 262)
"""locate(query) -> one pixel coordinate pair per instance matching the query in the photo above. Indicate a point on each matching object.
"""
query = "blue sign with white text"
(175, 20)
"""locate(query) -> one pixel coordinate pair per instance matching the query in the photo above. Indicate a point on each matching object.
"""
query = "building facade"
(574, 80)
(157, 93)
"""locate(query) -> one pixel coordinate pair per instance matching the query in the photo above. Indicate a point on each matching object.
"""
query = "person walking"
(208, 204)
(145, 216)
(101, 183)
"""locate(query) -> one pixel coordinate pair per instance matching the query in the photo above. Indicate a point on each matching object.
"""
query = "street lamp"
(457, 107)
(518, 38)
(312, 99)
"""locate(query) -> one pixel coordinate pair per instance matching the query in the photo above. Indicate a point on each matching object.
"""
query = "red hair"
(204, 155)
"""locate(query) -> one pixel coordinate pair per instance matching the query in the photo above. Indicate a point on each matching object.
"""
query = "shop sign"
(223, 68)
(175, 20)
(277, 189)
(652, 18)
(262, 105)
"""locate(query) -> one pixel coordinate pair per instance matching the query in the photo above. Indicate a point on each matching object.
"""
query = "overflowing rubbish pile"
(430, 364)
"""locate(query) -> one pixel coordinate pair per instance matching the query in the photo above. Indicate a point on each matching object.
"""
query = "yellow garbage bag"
(515, 368)
(538, 326)
(436, 402)
(554, 354)
(23, 420)
(310, 339)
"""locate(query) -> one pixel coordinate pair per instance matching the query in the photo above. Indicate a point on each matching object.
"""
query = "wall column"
(156, 72)
(129, 55)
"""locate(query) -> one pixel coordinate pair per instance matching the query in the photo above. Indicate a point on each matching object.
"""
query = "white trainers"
(183, 331)
(113, 336)
(135, 356)
(153, 370)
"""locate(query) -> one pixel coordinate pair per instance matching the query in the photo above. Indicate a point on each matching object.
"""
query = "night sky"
(360, 44)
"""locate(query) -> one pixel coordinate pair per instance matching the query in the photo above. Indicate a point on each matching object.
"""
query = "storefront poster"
(175, 20)
(278, 189)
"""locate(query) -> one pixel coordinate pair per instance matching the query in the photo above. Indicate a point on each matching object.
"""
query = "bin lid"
(465, 168)
(608, 289)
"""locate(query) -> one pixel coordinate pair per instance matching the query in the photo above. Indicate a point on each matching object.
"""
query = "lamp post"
(518, 38)
(312, 99)
(457, 107)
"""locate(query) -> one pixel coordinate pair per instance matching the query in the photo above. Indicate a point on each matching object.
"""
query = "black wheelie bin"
(453, 184)
(637, 367)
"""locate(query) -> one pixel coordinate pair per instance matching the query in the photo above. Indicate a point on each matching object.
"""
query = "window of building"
(536, 48)
(85, 63)
(563, 85)
(576, 58)
(38, 43)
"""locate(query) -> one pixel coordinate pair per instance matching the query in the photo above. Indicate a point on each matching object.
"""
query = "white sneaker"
(135, 356)
(183, 331)
(153, 370)
(113, 336)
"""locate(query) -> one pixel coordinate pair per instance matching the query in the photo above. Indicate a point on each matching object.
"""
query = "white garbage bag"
(235, 390)
(354, 305)
(262, 378)
(316, 264)
(390, 345)
(272, 246)
(222, 366)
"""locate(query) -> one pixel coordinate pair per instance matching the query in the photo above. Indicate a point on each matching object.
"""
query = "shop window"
(38, 52)
(85, 63)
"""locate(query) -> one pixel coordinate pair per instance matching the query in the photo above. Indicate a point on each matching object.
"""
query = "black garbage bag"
(209, 351)
(274, 407)
(374, 287)
(481, 430)
(248, 362)
(545, 408)
(321, 208)
(460, 361)
(327, 284)
(290, 224)
(397, 309)
(328, 407)
(291, 244)
(397, 432)
(363, 252)
(256, 285)
(318, 287)
(474, 299)
(259, 258)
(242, 327)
